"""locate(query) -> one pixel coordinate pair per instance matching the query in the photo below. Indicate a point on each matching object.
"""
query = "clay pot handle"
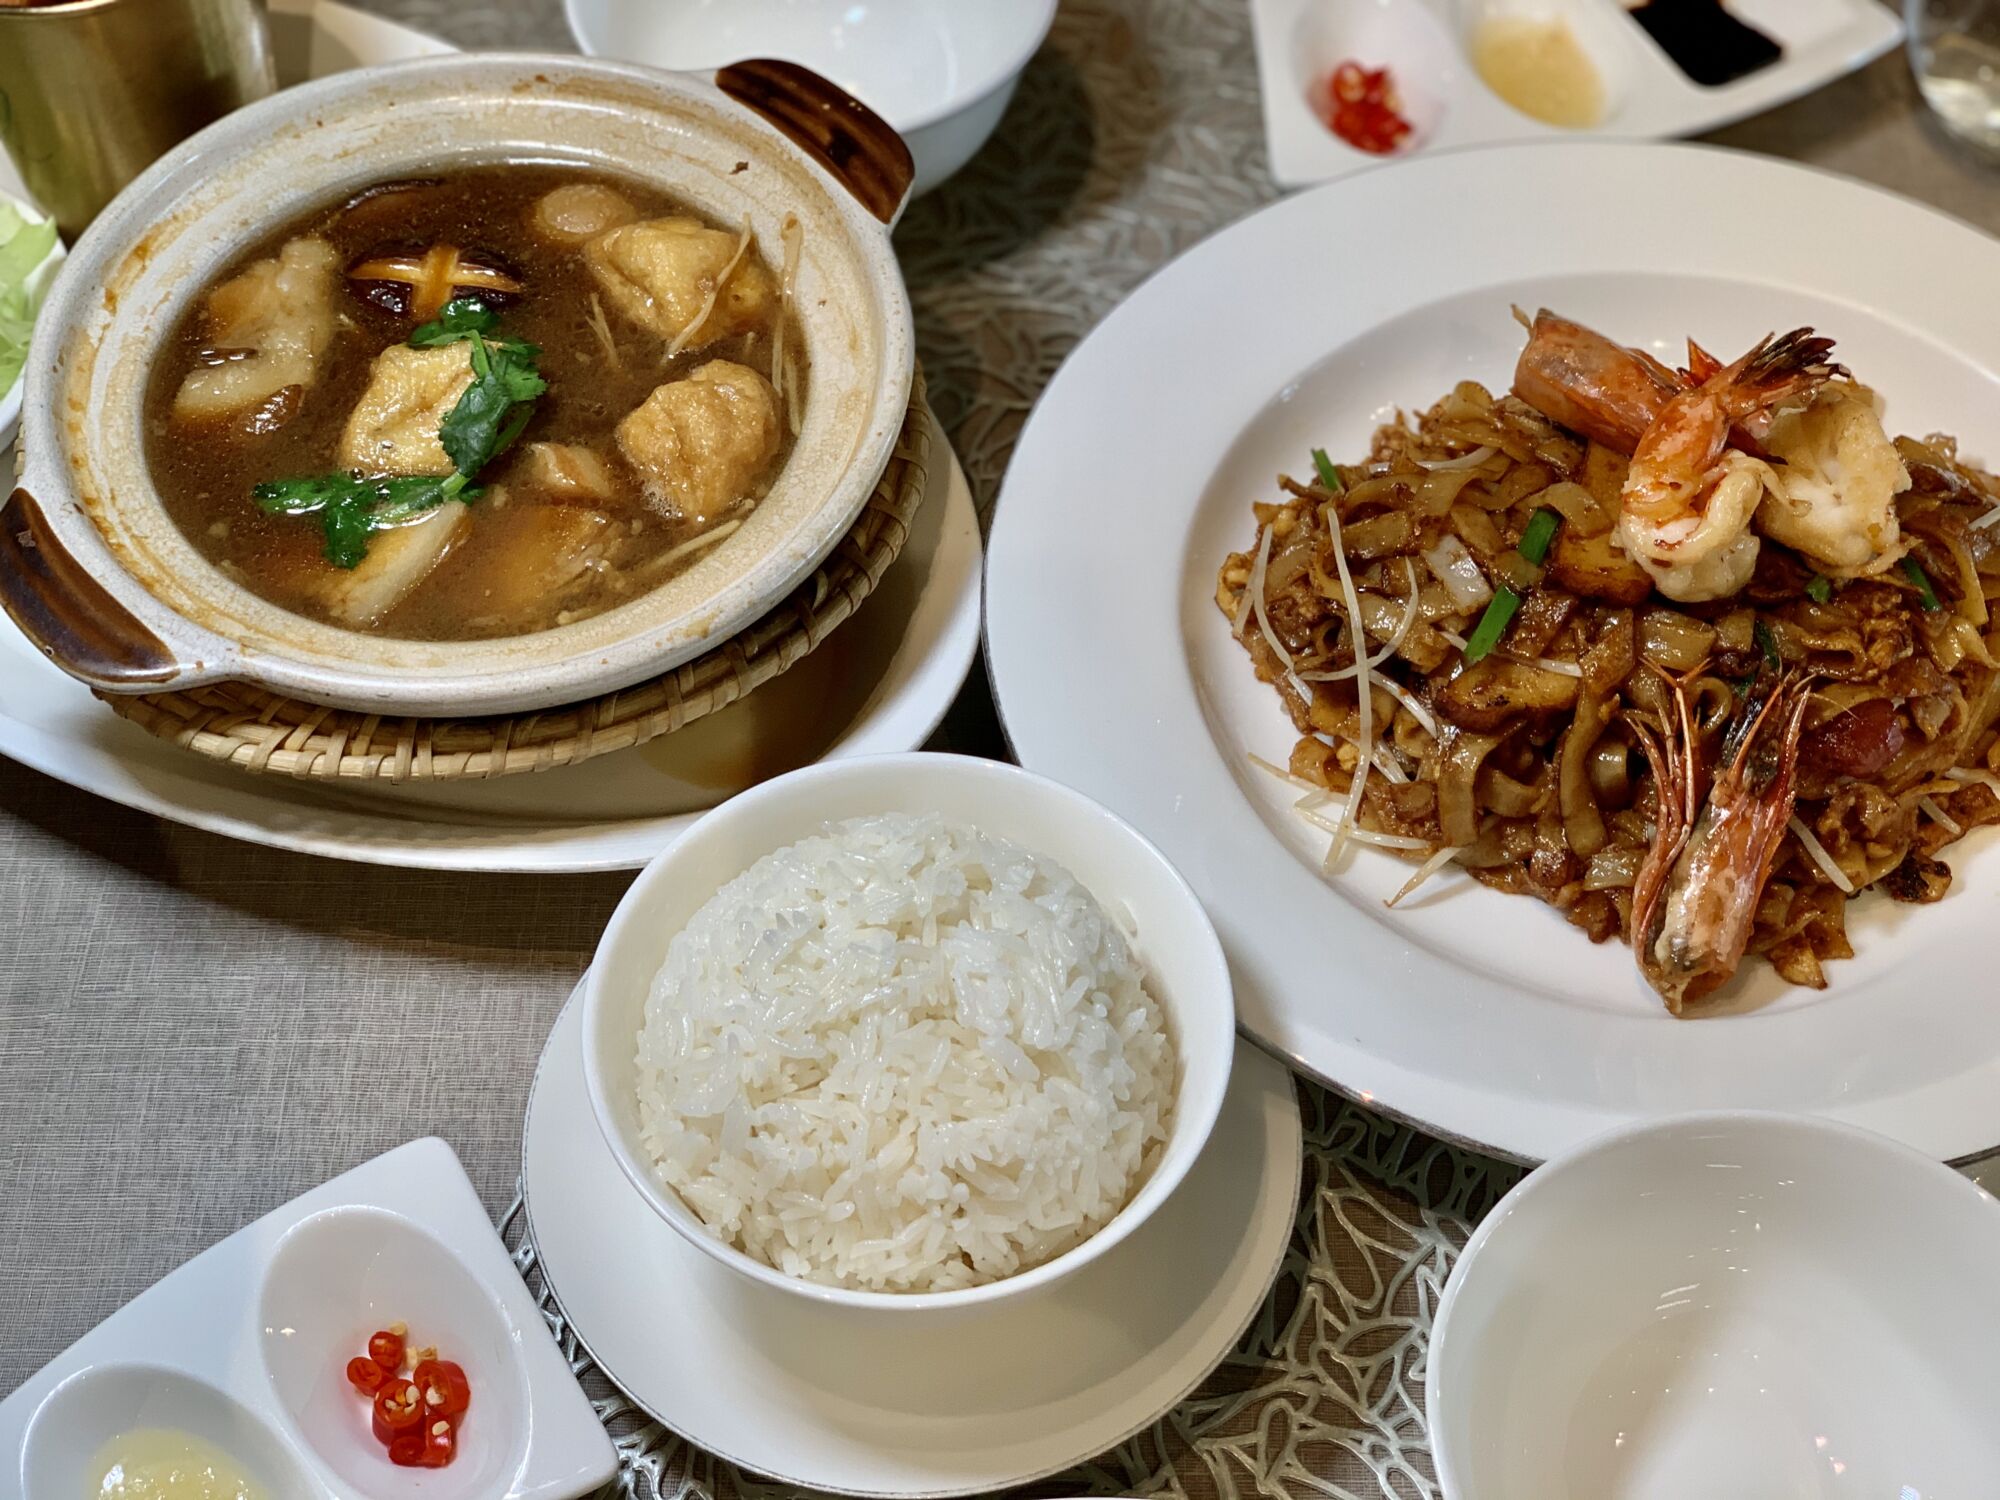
(68, 615)
(831, 126)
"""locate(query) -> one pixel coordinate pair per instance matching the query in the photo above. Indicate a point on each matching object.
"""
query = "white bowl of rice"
(908, 1031)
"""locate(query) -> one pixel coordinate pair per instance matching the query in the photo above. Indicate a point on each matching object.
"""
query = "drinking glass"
(92, 92)
(1955, 54)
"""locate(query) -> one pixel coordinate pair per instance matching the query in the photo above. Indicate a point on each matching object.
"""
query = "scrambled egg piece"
(268, 325)
(699, 443)
(661, 274)
(394, 427)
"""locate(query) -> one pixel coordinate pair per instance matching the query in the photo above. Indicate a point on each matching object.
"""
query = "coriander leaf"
(502, 379)
(309, 493)
(347, 526)
(1819, 588)
(462, 318)
(1767, 643)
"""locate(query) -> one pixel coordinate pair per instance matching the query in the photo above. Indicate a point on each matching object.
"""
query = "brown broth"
(205, 471)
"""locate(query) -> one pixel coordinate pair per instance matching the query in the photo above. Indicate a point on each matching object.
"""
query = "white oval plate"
(1483, 1016)
(1425, 45)
(904, 1404)
(882, 682)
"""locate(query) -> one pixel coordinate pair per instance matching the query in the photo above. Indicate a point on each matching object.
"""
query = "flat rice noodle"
(1541, 619)
(1613, 869)
(1583, 822)
(1387, 535)
(1611, 772)
(1460, 757)
(1612, 655)
(1496, 690)
(1673, 641)
(1437, 491)
(1576, 505)
(1500, 793)
(1476, 529)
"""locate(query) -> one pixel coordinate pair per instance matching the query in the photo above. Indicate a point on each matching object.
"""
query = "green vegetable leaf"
(1819, 588)
(23, 247)
(351, 508)
(1541, 530)
(1328, 474)
(461, 318)
(502, 380)
(1914, 570)
(494, 410)
(1493, 624)
(1767, 643)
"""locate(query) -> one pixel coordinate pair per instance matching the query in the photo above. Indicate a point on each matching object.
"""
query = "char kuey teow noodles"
(1694, 655)
(485, 404)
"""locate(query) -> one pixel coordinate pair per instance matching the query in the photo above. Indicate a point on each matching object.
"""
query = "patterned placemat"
(1323, 1394)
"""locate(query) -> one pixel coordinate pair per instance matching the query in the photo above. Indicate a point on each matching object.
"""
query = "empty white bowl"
(1729, 1306)
(940, 71)
(1185, 968)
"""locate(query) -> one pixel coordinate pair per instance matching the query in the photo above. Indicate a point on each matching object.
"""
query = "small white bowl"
(1723, 1305)
(38, 284)
(940, 71)
(1185, 968)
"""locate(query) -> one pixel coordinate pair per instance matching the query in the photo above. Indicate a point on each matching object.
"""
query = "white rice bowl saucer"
(858, 1401)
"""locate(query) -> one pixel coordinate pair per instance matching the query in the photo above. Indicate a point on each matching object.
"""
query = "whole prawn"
(1695, 899)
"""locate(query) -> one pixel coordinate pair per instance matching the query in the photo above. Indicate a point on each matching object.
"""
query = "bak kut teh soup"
(482, 405)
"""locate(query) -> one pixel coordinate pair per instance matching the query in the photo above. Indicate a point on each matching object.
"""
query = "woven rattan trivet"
(260, 731)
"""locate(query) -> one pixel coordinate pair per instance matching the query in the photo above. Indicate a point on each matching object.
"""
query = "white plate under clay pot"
(864, 1402)
(245, 1349)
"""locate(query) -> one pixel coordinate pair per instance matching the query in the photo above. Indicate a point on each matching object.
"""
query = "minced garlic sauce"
(156, 1463)
(1540, 68)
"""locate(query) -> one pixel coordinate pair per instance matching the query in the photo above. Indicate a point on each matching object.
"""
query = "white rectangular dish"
(245, 1347)
(1425, 45)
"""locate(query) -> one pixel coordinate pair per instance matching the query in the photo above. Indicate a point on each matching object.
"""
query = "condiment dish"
(1721, 1305)
(1172, 938)
(940, 71)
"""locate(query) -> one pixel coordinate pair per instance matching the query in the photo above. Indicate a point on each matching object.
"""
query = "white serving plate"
(882, 682)
(247, 1346)
(1723, 1306)
(1484, 1016)
(1424, 42)
(895, 1403)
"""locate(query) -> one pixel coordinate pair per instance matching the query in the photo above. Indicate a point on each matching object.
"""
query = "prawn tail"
(1777, 371)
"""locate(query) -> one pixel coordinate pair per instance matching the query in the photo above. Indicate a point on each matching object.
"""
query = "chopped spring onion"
(1768, 644)
(1534, 546)
(1940, 817)
(1328, 474)
(1540, 663)
(1541, 530)
(1819, 588)
(1424, 872)
(1809, 841)
(1493, 624)
(1914, 570)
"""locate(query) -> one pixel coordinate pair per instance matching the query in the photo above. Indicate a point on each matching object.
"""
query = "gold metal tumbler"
(92, 92)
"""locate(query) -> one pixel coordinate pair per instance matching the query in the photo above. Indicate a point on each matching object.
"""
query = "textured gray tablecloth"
(192, 1031)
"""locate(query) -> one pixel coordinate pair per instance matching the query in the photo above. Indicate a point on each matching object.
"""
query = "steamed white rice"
(903, 1055)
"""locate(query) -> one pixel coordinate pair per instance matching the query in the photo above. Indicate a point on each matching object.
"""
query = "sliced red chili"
(365, 1375)
(440, 1443)
(447, 1392)
(386, 1347)
(409, 1450)
(399, 1406)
